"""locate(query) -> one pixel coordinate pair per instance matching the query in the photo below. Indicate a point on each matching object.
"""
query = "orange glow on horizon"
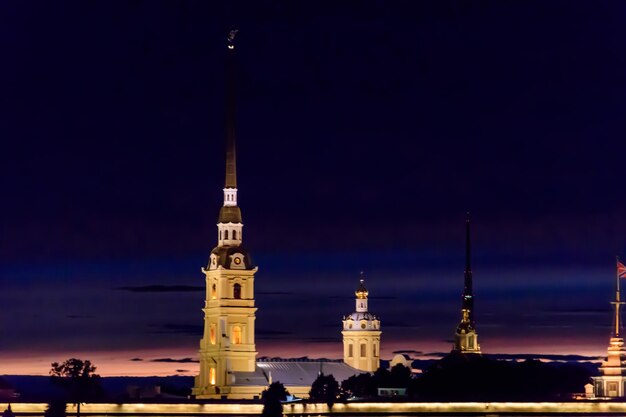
(120, 363)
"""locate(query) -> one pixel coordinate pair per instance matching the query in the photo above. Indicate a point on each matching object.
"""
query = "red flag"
(621, 270)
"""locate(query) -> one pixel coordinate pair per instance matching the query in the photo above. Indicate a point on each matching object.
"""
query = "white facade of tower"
(228, 344)
(361, 335)
(465, 337)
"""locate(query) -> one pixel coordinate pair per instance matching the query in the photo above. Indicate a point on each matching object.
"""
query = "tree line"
(456, 377)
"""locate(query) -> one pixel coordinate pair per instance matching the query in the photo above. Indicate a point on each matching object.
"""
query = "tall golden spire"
(230, 212)
(231, 157)
(465, 337)
(468, 293)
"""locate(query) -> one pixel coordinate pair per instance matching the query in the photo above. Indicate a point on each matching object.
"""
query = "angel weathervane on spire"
(231, 38)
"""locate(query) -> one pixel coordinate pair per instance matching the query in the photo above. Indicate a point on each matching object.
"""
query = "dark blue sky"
(365, 131)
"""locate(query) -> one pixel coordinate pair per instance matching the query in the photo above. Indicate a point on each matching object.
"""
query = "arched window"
(226, 234)
(237, 291)
(236, 335)
(350, 350)
(363, 350)
(212, 376)
(212, 334)
(220, 235)
(234, 234)
(375, 347)
(214, 292)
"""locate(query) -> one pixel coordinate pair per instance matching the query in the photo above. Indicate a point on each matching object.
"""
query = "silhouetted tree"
(399, 377)
(325, 388)
(381, 377)
(8, 412)
(272, 397)
(459, 377)
(360, 386)
(78, 379)
(56, 409)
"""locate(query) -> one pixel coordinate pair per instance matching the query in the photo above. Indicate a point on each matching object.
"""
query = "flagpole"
(617, 277)
(617, 298)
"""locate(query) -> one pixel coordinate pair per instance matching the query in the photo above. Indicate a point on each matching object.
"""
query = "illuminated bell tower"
(612, 382)
(361, 335)
(466, 337)
(228, 344)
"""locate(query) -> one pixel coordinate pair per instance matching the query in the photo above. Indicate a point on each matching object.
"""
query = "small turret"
(361, 334)
(361, 297)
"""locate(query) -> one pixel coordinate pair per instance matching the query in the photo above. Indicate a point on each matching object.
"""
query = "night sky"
(365, 131)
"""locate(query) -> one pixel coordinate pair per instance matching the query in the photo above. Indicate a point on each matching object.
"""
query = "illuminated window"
(226, 234)
(214, 292)
(212, 376)
(363, 350)
(350, 351)
(212, 333)
(234, 234)
(237, 291)
(236, 335)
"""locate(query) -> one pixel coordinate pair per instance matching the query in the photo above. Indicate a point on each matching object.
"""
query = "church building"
(361, 335)
(466, 337)
(228, 357)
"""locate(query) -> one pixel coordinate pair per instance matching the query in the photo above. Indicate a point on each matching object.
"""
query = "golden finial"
(361, 292)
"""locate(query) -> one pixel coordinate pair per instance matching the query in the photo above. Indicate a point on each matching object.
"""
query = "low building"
(392, 392)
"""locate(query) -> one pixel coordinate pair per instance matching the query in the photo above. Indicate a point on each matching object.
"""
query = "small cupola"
(361, 292)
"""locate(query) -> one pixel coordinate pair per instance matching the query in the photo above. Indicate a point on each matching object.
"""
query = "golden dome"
(361, 292)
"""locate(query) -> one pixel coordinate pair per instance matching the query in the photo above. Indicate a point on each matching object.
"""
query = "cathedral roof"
(358, 316)
(294, 373)
(224, 254)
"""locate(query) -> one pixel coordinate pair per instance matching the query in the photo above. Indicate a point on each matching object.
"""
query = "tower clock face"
(237, 261)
